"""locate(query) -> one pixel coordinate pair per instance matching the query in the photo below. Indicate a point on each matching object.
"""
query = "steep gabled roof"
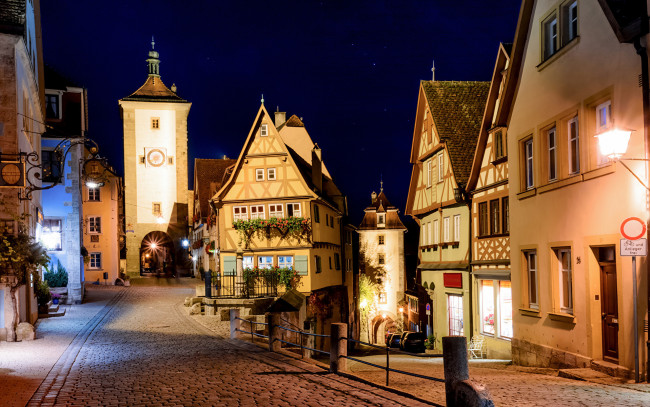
(381, 205)
(154, 90)
(208, 178)
(457, 109)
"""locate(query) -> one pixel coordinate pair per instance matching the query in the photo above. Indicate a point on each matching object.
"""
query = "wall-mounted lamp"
(613, 143)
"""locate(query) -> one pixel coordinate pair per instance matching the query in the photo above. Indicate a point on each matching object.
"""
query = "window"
(428, 165)
(457, 228)
(528, 164)
(155, 123)
(455, 314)
(566, 279)
(413, 304)
(257, 211)
(436, 232)
(348, 264)
(259, 174)
(247, 262)
(293, 209)
(603, 123)
(498, 145)
(552, 154)
(52, 167)
(495, 221)
(264, 130)
(483, 219)
(319, 267)
(337, 261)
(574, 146)
(94, 224)
(381, 239)
(240, 213)
(264, 262)
(550, 36)
(52, 107)
(330, 261)
(285, 262)
(276, 211)
(495, 298)
(505, 218)
(170, 160)
(327, 220)
(316, 214)
(381, 259)
(570, 21)
(52, 234)
(440, 167)
(381, 219)
(445, 231)
(95, 260)
(93, 194)
(156, 210)
(531, 266)
(270, 174)
(382, 297)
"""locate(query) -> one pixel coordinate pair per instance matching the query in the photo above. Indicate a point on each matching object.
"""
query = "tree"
(20, 258)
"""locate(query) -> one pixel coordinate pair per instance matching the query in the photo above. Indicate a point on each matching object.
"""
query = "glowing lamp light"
(50, 240)
(160, 219)
(92, 184)
(613, 143)
(401, 310)
(146, 255)
(383, 316)
(153, 245)
(195, 258)
(185, 243)
(364, 304)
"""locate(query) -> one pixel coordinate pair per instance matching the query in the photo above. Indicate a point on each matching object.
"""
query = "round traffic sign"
(428, 307)
(633, 228)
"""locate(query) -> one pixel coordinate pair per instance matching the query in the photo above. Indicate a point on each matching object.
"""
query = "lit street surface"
(142, 349)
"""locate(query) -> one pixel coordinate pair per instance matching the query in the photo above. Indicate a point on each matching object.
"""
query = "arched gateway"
(157, 255)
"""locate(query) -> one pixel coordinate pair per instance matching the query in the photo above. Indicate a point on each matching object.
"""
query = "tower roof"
(380, 204)
(154, 90)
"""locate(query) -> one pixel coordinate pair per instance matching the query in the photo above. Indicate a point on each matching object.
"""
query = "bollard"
(235, 323)
(454, 356)
(308, 342)
(338, 347)
(208, 284)
(274, 332)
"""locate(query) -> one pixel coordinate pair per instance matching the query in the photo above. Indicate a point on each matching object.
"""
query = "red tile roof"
(208, 179)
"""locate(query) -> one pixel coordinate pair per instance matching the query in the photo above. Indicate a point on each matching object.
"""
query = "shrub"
(56, 277)
(42, 291)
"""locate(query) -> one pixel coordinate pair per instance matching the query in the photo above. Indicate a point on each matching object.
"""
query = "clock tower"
(155, 176)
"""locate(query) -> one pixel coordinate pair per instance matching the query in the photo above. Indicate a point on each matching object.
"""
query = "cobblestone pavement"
(145, 351)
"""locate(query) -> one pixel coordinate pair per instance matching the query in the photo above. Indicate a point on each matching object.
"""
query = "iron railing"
(234, 286)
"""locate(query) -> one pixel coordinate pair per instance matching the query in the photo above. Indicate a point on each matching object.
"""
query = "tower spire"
(433, 70)
(153, 61)
(381, 182)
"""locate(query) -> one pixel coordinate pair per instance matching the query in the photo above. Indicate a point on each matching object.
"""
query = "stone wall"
(526, 353)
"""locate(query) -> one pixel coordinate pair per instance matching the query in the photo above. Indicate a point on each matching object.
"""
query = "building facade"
(447, 124)
(572, 290)
(155, 149)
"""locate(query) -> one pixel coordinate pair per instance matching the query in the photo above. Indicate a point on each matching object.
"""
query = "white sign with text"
(637, 247)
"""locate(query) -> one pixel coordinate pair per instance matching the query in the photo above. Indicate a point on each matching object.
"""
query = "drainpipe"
(645, 89)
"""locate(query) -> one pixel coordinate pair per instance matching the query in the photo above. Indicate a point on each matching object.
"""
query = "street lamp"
(613, 143)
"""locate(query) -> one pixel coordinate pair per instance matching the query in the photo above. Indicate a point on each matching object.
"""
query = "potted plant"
(430, 343)
(43, 296)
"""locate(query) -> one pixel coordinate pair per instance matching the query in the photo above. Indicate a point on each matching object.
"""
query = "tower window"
(155, 122)
(142, 159)
(170, 160)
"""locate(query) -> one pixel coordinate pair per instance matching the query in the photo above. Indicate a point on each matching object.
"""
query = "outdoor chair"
(476, 348)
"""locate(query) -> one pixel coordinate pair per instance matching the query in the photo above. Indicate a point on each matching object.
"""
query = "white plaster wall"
(155, 184)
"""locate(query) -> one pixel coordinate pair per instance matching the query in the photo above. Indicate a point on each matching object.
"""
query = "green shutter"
(302, 265)
(229, 265)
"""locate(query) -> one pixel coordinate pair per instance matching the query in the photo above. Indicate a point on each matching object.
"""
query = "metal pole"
(252, 338)
(387, 364)
(635, 324)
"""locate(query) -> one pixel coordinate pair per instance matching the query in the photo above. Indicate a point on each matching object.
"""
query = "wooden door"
(609, 311)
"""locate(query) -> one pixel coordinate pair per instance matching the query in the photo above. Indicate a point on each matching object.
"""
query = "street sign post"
(632, 244)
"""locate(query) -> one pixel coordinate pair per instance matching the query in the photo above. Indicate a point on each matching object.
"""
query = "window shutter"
(302, 264)
(229, 265)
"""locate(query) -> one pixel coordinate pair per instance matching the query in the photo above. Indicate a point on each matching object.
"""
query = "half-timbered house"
(447, 125)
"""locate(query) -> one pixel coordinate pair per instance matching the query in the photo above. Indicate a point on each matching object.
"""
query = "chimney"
(317, 168)
(373, 197)
(280, 117)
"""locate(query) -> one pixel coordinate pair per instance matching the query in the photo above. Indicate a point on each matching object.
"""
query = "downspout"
(645, 90)
(468, 202)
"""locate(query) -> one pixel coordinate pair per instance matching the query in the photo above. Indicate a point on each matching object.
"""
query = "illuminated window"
(155, 123)
(455, 314)
(382, 297)
(531, 271)
(52, 234)
(276, 211)
(293, 209)
(285, 262)
(265, 262)
(95, 260)
(381, 219)
(259, 174)
(93, 194)
(495, 297)
(257, 211)
(240, 213)
(94, 224)
(270, 174)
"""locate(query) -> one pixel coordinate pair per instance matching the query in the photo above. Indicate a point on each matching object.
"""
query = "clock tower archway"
(155, 166)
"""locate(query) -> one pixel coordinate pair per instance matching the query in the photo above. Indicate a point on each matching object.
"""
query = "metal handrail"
(302, 347)
(252, 322)
(252, 333)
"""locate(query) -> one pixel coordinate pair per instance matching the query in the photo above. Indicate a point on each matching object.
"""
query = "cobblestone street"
(143, 350)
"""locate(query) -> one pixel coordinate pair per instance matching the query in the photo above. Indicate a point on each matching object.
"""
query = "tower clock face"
(155, 157)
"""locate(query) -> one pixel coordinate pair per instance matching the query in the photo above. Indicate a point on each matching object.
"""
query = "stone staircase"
(600, 372)
(53, 310)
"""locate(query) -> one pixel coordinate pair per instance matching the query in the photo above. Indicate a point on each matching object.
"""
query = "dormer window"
(381, 219)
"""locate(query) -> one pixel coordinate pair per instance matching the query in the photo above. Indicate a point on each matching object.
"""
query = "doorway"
(609, 302)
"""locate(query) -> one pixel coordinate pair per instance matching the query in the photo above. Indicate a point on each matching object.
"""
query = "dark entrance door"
(609, 311)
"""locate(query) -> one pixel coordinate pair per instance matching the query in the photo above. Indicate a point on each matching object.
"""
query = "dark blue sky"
(350, 69)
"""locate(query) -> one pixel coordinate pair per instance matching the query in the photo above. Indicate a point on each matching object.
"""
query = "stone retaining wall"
(525, 353)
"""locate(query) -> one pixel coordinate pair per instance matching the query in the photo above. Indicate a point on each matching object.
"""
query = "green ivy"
(285, 276)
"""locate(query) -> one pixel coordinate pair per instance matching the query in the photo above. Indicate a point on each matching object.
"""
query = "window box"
(562, 317)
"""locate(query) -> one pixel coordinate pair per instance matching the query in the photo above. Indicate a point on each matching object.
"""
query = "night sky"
(350, 69)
